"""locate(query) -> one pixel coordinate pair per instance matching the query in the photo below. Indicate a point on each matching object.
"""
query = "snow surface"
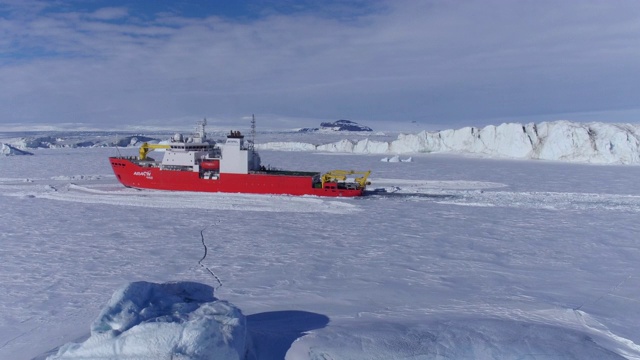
(462, 258)
(599, 143)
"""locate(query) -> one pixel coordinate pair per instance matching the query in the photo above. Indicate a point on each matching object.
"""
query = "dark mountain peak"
(344, 125)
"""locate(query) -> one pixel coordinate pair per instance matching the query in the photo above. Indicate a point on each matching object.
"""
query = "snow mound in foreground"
(8, 150)
(452, 339)
(181, 320)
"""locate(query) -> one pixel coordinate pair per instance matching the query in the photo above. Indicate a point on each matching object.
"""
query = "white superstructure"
(234, 156)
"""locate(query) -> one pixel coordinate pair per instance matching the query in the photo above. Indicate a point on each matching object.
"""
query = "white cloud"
(110, 13)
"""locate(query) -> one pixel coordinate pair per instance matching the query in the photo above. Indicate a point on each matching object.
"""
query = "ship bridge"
(236, 157)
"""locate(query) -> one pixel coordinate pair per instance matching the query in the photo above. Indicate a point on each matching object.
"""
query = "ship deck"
(287, 172)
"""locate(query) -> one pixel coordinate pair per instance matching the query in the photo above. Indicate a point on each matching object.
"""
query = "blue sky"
(387, 64)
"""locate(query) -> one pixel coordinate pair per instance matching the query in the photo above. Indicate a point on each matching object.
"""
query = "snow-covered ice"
(461, 258)
(8, 150)
(395, 159)
(181, 320)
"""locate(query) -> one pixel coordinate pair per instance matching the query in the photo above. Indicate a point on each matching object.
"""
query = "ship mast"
(200, 134)
(253, 133)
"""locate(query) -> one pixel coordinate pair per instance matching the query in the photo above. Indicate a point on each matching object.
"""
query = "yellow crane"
(146, 147)
(341, 175)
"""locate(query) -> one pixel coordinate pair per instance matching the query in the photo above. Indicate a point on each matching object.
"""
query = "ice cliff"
(598, 143)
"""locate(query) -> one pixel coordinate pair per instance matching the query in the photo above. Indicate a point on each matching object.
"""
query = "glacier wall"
(597, 143)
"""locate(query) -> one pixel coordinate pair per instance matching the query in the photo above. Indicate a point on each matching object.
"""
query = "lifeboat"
(213, 164)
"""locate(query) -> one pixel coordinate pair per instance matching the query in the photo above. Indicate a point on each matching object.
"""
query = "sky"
(386, 64)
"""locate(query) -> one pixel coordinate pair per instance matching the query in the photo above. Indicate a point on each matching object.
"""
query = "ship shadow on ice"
(273, 332)
(382, 193)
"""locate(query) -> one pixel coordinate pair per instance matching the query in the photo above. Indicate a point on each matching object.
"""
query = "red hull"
(133, 175)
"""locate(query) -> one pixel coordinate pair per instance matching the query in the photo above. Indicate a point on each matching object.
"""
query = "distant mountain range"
(74, 140)
(599, 143)
(339, 125)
